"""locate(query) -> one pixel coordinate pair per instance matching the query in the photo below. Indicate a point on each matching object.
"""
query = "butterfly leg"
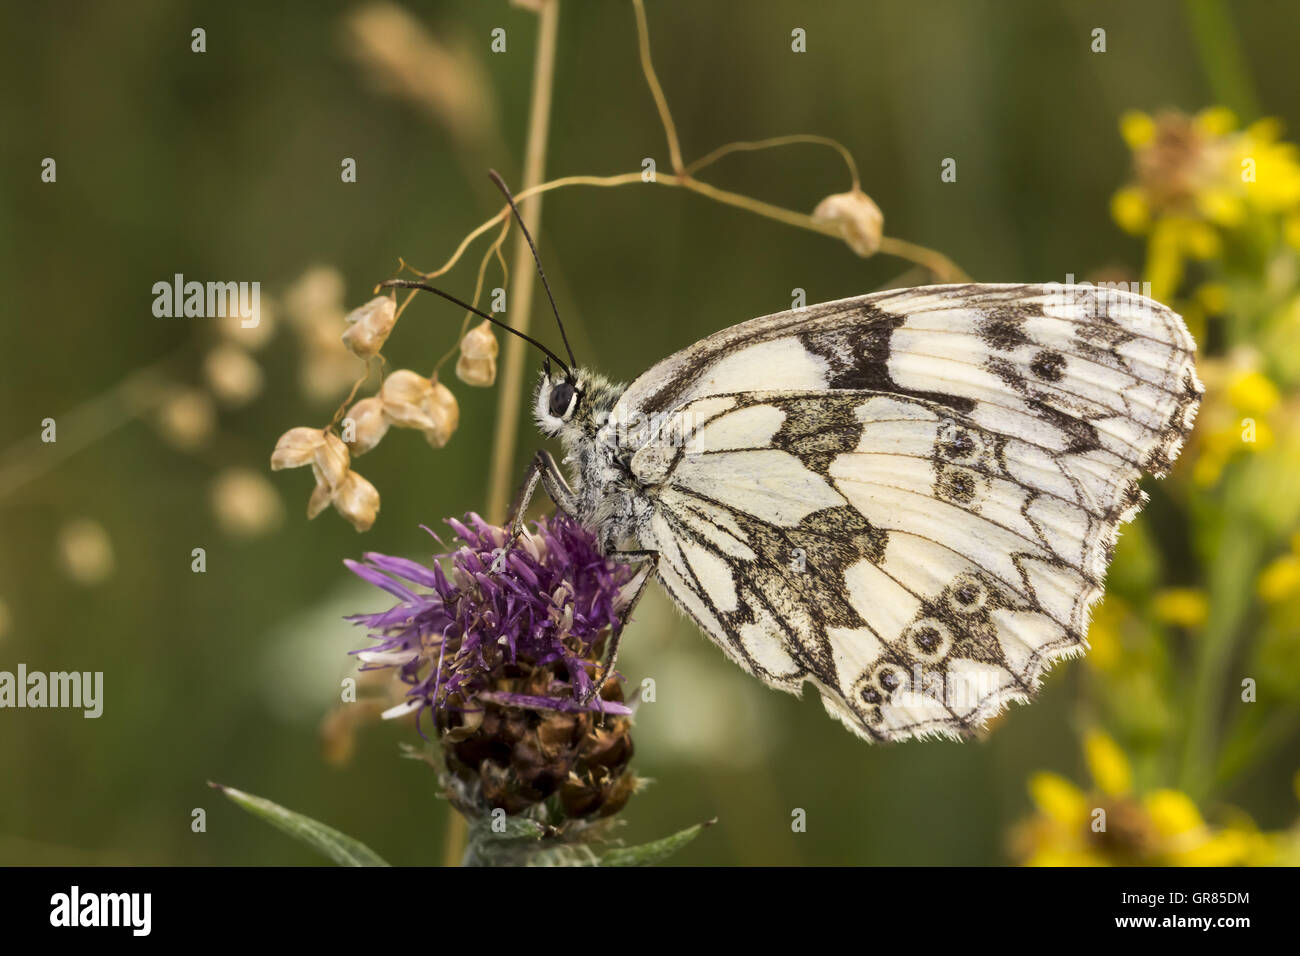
(646, 572)
(544, 469)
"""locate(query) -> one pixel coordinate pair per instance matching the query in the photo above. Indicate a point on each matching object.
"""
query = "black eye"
(561, 397)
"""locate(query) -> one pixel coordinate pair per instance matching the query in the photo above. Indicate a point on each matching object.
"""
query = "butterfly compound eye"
(561, 398)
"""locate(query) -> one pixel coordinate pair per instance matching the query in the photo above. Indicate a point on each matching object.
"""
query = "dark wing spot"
(957, 486)
(927, 639)
(1048, 366)
(1003, 329)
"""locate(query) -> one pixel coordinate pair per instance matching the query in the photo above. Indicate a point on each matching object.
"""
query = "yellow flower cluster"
(1237, 413)
(1112, 824)
(1199, 177)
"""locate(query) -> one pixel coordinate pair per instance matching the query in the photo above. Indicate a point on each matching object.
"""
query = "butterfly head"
(572, 405)
(558, 400)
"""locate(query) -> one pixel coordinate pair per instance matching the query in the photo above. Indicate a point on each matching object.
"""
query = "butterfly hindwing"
(918, 516)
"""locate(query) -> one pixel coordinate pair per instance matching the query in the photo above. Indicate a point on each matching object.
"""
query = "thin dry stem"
(747, 146)
(501, 474)
(943, 267)
(657, 91)
(493, 250)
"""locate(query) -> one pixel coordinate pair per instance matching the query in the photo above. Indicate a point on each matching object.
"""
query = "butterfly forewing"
(908, 499)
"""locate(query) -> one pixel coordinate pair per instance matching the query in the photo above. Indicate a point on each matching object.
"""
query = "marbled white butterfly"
(907, 499)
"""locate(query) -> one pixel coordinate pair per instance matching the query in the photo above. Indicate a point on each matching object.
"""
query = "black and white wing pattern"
(908, 499)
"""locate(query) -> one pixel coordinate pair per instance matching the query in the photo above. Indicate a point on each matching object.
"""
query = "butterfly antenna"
(409, 284)
(505, 191)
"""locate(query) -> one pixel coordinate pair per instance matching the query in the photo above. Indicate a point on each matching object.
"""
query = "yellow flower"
(1216, 121)
(1268, 171)
(1110, 825)
(1058, 798)
(1221, 207)
(1172, 812)
(1251, 393)
(1184, 607)
(1130, 210)
(1137, 128)
(1107, 764)
(1280, 580)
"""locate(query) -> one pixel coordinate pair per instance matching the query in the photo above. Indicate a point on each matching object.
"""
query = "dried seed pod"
(369, 326)
(857, 219)
(331, 462)
(444, 412)
(477, 364)
(320, 499)
(368, 425)
(407, 396)
(357, 500)
(297, 447)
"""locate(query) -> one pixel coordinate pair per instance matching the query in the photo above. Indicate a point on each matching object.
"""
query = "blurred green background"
(225, 165)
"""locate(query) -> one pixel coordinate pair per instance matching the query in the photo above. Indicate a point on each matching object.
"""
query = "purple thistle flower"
(551, 606)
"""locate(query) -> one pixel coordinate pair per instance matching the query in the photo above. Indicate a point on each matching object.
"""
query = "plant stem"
(539, 117)
(657, 91)
(1229, 582)
(749, 146)
(1219, 49)
(944, 268)
(512, 375)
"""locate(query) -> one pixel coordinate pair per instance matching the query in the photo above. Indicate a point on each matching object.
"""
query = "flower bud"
(358, 501)
(477, 364)
(857, 220)
(369, 325)
(368, 425)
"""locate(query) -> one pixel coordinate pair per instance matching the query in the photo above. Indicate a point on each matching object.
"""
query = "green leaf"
(339, 847)
(648, 854)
